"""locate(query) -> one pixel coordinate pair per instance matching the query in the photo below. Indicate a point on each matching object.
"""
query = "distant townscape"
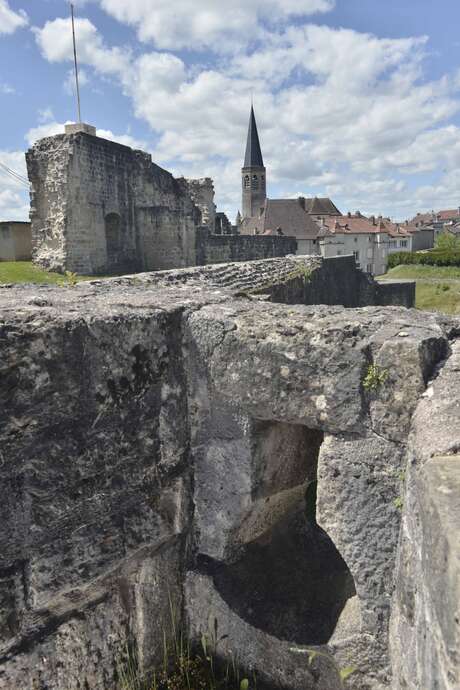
(98, 207)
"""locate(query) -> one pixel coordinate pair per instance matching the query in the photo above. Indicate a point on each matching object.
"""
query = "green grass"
(26, 272)
(437, 287)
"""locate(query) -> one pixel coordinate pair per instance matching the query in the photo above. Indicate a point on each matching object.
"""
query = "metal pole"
(75, 63)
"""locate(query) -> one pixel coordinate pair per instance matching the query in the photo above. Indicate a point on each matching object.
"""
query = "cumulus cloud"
(55, 43)
(340, 112)
(198, 24)
(10, 20)
(69, 82)
(49, 129)
(14, 196)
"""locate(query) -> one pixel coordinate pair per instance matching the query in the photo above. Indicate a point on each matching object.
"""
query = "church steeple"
(253, 172)
(253, 156)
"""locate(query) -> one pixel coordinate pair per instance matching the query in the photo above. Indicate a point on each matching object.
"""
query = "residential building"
(366, 238)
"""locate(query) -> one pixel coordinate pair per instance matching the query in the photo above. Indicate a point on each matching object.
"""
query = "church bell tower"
(253, 173)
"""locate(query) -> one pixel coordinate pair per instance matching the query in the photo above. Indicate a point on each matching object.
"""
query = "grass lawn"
(26, 272)
(438, 287)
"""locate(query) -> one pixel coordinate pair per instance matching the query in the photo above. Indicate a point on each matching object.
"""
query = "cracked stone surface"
(149, 424)
(425, 621)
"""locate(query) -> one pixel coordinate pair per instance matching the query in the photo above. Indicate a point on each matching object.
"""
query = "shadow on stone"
(291, 583)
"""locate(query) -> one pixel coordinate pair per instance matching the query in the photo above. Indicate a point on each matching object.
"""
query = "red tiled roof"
(447, 215)
(425, 218)
(356, 224)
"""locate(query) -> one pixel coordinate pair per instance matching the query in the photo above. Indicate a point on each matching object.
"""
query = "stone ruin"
(98, 207)
(205, 436)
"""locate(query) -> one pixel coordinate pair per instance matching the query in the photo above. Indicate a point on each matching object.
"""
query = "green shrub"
(435, 257)
(447, 242)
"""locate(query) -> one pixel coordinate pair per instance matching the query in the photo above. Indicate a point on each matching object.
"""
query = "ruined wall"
(165, 435)
(201, 191)
(217, 249)
(100, 207)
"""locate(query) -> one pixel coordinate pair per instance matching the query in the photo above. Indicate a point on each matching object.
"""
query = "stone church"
(300, 218)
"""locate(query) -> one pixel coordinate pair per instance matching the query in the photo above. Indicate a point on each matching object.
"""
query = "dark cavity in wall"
(291, 582)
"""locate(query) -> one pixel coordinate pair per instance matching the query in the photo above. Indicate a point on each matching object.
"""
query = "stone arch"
(112, 224)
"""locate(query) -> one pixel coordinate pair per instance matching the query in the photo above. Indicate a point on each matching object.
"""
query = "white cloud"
(55, 43)
(198, 24)
(339, 112)
(125, 139)
(14, 196)
(49, 129)
(69, 82)
(10, 20)
(7, 89)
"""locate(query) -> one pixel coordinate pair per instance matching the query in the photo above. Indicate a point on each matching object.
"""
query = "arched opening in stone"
(113, 235)
(290, 580)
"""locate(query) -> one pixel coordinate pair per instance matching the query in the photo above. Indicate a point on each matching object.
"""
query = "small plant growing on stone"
(398, 503)
(185, 666)
(342, 673)
(375, 378)
(70, 279)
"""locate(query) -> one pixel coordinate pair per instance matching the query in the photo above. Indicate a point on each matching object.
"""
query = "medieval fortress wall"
(98, 207)
(205, 436)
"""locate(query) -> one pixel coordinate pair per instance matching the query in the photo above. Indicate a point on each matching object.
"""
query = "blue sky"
(355, 99)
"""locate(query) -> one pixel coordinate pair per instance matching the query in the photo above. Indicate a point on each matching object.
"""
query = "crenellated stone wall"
(178, 436)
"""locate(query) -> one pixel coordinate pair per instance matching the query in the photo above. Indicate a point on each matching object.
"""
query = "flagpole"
(75, 63)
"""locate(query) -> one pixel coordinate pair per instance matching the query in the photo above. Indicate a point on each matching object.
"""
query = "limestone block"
(425, 622)
(276, 662)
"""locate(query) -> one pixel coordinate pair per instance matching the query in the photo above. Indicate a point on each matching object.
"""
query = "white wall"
(399, 244)
(370, 249)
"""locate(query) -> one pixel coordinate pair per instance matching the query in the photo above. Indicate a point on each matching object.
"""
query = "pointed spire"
(253, 156)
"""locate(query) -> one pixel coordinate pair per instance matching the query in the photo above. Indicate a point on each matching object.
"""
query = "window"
(255, 182)
(314, 241)
(392, 243)
(403, 243)
(369, 268)
(356, 239)
(356, 255)
(247, 183)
